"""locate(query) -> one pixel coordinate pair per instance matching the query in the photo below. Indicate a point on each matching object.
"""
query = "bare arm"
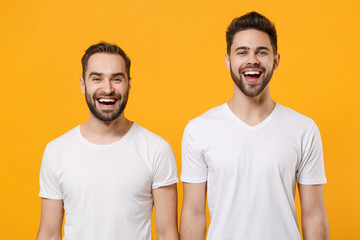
(193, 214)
(165, 203)
(52, 213)
(314, 219)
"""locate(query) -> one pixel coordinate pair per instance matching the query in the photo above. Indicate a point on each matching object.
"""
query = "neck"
(251, 110)
(101, 132)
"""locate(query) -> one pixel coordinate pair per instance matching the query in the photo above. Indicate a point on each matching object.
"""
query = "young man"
(107, 173)
(248, 154)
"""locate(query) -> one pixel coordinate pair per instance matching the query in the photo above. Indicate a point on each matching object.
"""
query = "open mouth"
(252, 76)
(107, 101)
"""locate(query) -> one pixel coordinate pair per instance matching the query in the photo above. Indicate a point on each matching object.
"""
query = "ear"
(276, 61)
(227, 61)
(129, 85)
(82, 85)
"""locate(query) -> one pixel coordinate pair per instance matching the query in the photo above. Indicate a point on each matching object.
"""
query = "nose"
(107, 87)
(252, 59)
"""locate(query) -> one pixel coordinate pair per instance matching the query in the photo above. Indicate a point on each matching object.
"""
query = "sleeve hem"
(193, 180)
(166, 183)
(312, 182)
(49, 196)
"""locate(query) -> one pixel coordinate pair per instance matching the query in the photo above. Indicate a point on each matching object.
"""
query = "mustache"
(112, 95)
(252, 66)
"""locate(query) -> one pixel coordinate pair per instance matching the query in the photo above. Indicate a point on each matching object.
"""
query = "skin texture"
(252, 103)
(314, 219)
(52, 214)
(106, 78)
(193, 215)
(165, 203)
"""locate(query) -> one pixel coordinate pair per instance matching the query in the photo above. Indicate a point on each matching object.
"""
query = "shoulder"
(144, 137)
(290, 117)
(212, 114)
(296, 125)
(144, 134)
(63, 141)
(152, 147)
(210, 117)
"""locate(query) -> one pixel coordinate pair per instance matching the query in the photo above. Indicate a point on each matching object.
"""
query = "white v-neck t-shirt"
(107, 189)
(251, 171)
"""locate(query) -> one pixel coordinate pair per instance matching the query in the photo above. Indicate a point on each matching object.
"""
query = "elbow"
(167, 230)
(47, 236)
(315, 226)
(315, 215)
(193, 215)
(192, 225)
(169, 234)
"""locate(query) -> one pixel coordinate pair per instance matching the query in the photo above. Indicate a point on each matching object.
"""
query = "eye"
(262, 53)
(96, 79)
(241, 53)
(117, 79)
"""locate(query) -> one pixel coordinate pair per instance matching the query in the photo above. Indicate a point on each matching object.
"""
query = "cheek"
(233, 65)
(236, 63)
(120, 90)
(90, 91)
(269, 63)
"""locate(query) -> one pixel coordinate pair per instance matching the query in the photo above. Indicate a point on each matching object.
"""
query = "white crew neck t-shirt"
(107, 189)
(251, 171)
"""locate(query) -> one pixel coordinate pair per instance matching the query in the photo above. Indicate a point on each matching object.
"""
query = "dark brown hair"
(251, 20)
(104, 47)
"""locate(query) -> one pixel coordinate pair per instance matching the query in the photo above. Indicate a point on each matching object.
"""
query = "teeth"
(106, 100)
(252, 73)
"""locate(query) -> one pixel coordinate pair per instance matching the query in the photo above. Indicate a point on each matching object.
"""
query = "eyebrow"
(118, 74)
(113, 75)
(262, 48)
(247, 48)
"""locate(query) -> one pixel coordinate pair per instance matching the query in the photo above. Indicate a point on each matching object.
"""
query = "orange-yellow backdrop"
(177, 48)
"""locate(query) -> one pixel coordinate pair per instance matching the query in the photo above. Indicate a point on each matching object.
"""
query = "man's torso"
(106, 189)
(251, 171)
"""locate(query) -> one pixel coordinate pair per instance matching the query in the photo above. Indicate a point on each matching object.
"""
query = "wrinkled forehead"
(252, 39)
(106, 63)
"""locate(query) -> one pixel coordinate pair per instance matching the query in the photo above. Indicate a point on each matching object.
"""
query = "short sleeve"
(49, 186)
(311, 170)
(194, 167)
(164, 165)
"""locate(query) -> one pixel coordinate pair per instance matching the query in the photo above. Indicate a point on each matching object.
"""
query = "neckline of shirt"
(247, 126)
(120, 141)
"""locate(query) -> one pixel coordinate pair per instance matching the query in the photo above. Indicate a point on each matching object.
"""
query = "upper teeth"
(106, 100)
(252, 72)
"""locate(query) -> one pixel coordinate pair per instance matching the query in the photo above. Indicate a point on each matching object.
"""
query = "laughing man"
(248, 154)
(107, 173)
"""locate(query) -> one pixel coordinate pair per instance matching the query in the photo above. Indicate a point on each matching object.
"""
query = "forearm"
(192, 226)
(316, 227)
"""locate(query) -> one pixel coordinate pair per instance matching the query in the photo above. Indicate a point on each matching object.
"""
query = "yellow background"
(177, 50)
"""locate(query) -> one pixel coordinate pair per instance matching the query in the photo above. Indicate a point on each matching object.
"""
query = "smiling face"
(251, 61)
(106, 86)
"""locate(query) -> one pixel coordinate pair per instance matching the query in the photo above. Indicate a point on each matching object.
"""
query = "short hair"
(104, 47)
(251, 20)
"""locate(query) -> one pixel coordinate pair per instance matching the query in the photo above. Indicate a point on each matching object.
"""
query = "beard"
(106, 115)
(252, 90)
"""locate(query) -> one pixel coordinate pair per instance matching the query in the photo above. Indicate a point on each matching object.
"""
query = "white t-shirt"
(107, 189)
(251, 171)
